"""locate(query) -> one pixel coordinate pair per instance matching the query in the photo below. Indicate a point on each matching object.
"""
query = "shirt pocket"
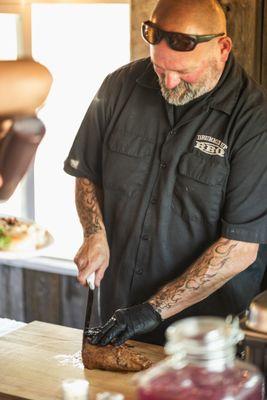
(199, 187)
(126, 162)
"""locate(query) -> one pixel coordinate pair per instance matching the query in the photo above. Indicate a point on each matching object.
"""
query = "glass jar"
(202, 365)
(75, 389)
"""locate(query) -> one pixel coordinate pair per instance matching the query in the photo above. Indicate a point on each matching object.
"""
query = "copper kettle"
(254, 326)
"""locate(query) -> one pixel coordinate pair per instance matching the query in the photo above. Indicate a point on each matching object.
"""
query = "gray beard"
(185, 92)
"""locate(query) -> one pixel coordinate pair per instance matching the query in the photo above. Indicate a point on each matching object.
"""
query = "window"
(80, 44)
(8, 51)
(8, 29)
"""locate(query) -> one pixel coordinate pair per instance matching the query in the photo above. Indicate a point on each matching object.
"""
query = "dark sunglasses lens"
(151, 34)
(181, 42)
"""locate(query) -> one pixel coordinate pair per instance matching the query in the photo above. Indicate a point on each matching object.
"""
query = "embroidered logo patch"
(210, 145)
(74, 163)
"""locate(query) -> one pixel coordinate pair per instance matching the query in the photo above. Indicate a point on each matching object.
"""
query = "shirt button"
(139, 271)
(172, 133)
(145, 237)
(154, 201)
(163, 164)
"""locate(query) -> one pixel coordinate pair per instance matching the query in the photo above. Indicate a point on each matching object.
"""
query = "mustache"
(177, 89)
(180, 94)
(185, 92)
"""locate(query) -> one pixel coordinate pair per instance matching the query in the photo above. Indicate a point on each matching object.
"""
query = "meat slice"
(113, 358)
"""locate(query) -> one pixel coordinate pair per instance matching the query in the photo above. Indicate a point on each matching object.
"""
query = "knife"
(91, 283)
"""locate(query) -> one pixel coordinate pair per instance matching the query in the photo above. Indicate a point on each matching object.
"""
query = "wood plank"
(140, 11)
(73, 300)
(30, 368)
(11, 293)
(41, 296)
(264, 47)
(244, 27)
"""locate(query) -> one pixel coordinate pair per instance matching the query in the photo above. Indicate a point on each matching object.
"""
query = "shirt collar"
(148, 78)
(224, 96)
(228, 89)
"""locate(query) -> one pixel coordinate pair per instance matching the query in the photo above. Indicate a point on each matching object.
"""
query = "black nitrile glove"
(126, 323)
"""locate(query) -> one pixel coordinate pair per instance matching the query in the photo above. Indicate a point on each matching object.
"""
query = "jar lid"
(75, 388)
(257, 315)
(203, 335)
(109, 396)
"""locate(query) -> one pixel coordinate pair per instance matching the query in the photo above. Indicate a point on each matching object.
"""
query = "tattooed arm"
(93, 256)
(220, 262)
(89, 201)
(212, 270)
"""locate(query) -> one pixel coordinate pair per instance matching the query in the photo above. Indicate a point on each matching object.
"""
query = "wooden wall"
(247, 26)
(27, 295)
(140, 11)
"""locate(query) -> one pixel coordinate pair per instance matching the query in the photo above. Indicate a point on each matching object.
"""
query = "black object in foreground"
(124, 324)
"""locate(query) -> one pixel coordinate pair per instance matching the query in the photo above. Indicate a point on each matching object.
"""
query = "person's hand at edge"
(93, 256)
(126, 323)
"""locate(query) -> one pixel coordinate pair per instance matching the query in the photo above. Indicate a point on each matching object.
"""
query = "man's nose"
(172, 79)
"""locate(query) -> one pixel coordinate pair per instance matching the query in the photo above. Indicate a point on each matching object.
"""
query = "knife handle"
(91, 281)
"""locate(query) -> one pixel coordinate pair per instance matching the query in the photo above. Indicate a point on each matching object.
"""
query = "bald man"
(171, 170)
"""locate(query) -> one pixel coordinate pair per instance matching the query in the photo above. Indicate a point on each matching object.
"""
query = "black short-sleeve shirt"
(174, 182)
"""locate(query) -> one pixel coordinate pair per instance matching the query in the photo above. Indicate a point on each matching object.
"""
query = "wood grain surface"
(140, 11)
(31, 364)
(42, 300)
(244, 20)
(11, 301)
(42, 296)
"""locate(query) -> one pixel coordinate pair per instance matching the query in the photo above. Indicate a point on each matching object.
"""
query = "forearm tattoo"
(201, 279)
(88, 204)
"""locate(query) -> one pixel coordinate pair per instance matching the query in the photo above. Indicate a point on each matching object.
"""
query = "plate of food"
(22, 238)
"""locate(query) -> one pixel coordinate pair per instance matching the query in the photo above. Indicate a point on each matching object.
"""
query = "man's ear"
(226, 45)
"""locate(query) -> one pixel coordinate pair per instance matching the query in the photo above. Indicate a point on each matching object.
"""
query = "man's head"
(186, 75)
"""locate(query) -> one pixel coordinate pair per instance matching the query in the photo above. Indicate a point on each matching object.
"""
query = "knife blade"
(91, 283)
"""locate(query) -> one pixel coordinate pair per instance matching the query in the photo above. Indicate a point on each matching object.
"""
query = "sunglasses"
(176, 40)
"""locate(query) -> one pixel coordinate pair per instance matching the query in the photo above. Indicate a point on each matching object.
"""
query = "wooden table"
(34, 361)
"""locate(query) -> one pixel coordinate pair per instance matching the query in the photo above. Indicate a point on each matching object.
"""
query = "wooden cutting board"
(35, 359)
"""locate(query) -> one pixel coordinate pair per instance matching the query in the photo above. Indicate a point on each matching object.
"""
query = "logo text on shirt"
(211, 145)
(74, 163)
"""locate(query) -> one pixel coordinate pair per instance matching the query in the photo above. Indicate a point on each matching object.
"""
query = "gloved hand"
(126, 323)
